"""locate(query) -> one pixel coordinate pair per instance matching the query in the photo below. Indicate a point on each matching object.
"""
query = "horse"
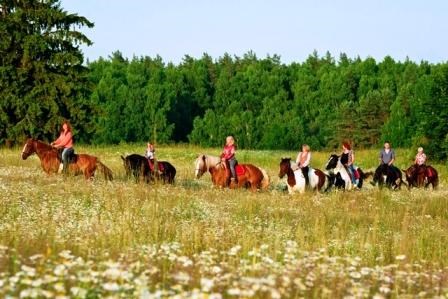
(391, 176)
(140, 167)
(296, 181)
(340, 176)
(204, 163)
(421, 176)
(137, 166)
(249, 176)
(50, 160)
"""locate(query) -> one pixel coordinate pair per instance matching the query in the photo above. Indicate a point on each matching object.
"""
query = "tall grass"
(99, 221)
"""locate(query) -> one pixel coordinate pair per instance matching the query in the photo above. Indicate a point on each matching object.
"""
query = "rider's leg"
(232, 163)
(305, 171)
(65, 154)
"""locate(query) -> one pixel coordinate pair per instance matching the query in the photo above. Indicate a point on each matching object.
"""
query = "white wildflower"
(400, 257)
(112, 273)
(111, 286)
(206, 284)
(234, 250)
(355, 275)
(60, 270)
(78, 292)
(182, 277)
(234, 292)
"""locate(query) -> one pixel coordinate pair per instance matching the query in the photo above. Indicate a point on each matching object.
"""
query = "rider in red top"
(228, 154)
(65, 141)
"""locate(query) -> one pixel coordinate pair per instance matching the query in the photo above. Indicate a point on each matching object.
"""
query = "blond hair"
(306, 147)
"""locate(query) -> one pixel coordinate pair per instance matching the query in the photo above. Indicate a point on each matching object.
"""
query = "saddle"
(72, 157)
(240, 170)
(151, 165)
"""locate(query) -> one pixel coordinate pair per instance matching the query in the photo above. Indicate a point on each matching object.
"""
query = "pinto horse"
(340, 175)
(50, 160)
(388, 175)
(421, 176)
(296, 180)
(204, 163)
(248, 175)
(139, 166)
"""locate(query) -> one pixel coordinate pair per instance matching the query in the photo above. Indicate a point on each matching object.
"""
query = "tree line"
(263, 102)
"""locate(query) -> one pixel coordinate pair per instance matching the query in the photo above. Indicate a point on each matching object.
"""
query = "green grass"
(101, 221)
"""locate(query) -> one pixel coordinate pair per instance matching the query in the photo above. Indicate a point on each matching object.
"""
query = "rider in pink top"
(228, 154)
(303, 161)
(420, 158)
(65, 141)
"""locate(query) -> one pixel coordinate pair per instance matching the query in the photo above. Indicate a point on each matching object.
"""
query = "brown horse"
(249, 176)
(421, 176)
(50, 161)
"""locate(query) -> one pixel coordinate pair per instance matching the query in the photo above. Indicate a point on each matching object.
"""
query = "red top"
(228, 152)
(64, 140)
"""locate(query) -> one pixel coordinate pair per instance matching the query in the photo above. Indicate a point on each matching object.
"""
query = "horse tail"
(265, 181)
(105, 170)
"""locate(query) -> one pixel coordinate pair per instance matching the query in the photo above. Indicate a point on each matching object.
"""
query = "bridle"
(27, 149)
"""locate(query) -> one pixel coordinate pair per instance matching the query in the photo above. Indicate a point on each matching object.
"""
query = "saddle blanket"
(151, 165)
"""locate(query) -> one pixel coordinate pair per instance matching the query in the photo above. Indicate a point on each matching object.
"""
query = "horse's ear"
(122, 158)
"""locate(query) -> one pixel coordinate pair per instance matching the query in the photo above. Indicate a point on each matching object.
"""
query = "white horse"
(296, 180)
(341, 176)
(204, 163)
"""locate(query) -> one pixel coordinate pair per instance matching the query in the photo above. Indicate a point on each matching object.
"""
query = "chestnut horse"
(421, 176)
(206, 163)
(249, 176)
(50, 161)
(296, 180)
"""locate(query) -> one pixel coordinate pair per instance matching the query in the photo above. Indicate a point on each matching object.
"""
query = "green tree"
(42, 77)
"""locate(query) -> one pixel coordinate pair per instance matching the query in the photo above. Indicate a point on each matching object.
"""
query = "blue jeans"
(66, 153)
(351, 170)
(232, 164)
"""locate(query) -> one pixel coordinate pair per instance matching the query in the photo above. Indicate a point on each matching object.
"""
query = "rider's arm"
(353, 158)
(393, 158)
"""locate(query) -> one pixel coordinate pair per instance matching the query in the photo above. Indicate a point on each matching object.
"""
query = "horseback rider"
(228, 154)
(420, 162)
(420, 158)
(65, 141)
(150, 152)
(303, 162)
(151, 156)
(347, 159)
(387, 155)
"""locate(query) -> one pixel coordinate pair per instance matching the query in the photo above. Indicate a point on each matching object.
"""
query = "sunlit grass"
(100, 221)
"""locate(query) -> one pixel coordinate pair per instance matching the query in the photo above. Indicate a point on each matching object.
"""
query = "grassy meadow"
(71, 238)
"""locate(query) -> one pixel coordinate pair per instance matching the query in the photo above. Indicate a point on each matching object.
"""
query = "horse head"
(200, 166)
(29, 148)
(285, 166)
(332, 162)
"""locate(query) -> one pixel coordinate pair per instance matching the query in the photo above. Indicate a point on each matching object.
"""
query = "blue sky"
(291, 29)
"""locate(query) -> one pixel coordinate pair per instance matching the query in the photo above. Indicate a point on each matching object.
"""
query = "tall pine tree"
(42, 77)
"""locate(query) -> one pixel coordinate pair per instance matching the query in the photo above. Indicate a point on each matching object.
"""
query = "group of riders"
(347, 158)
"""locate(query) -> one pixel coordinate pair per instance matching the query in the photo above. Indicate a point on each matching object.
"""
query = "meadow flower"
(111, 286)
(400, 257)
(234, 250)
(206, 284)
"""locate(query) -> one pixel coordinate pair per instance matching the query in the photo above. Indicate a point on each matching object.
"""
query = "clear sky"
(417, 29)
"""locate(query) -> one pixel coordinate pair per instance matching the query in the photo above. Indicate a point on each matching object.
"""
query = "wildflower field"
(68, 238)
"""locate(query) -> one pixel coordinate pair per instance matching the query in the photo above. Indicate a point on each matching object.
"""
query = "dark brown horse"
(421, 176)
(249, 176)
(143, 169)
(50, 160)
